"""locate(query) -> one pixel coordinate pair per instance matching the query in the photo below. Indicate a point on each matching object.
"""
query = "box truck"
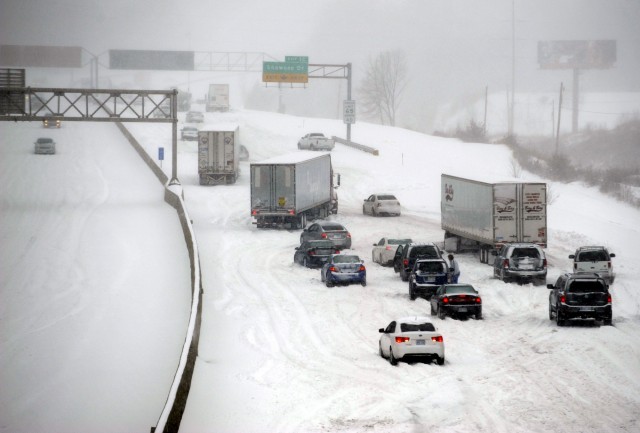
(217, 98)
(483, 216)
(218, 155)
(288, 190)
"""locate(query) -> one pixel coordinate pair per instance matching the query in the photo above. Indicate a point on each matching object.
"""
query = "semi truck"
(217, 98)
(218, 155)
(288, 190)
(483, 216)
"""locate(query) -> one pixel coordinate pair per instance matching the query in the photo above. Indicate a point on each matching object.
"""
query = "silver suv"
(521, 262)
(594, 259)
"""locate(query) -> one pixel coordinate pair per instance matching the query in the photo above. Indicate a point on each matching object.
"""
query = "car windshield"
(586, 287)
(332, 227)
(44, 140)
(427, 252)
(593, 256)
(413, 327)
(386, 197)
(460, 289)
(399, 241)
(321, 244)
(431, 267)
(346, 259)
(526, 252)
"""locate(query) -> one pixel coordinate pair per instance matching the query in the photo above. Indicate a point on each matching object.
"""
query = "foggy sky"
(454, 48)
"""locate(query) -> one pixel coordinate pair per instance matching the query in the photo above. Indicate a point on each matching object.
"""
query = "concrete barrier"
(356, 145)
(171, 415)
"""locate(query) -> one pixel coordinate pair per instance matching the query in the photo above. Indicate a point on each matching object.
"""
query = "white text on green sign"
(286, 68)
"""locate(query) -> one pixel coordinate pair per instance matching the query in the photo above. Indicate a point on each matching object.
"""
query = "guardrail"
(169, 421)
(356, 145)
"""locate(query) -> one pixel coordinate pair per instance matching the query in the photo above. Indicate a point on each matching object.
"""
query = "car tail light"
(575, 266)
(544, 263)
(254, 212)
(402, 339)
(332, 269)
(312, 253)
(362, 268)
(609, 265)
(608, 299)
(323, 235)
(445, 300)
(336, 252)
(388, 248)
(437, 339)
(292, 212)
(478, 300)
(505, 263)
(405, 262)
(563, 299)
(348, 235)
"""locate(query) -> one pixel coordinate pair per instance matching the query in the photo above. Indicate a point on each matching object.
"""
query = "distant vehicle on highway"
(314, 253)
(456, 300)
(189, 133)
(45, 145)
(343, 269)
(384, 251)
(194, 117)
(316, 141)
(381, 204)
(50, 121)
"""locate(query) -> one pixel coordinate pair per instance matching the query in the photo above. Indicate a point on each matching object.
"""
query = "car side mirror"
(297, 248)
(550, 286)
(612, 255)
(381, 330)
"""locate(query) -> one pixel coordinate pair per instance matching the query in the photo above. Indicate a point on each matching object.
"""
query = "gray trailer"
(484, 216)
(287, 190)
(218, 155)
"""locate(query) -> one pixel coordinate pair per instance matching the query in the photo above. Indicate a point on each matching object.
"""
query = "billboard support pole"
(576, 100)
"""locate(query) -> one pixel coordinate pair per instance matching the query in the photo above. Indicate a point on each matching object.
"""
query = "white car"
(45, 145)
(411, 338)
(194, 117)
(385, 250)
(381, 204)
(189, 133)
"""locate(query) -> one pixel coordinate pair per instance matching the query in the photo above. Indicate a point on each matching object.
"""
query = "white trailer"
(217, 98)
(218, 155)
(483, 216)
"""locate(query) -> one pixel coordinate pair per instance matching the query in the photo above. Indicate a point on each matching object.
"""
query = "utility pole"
(513, 68)
(559, 115)
(486, 98)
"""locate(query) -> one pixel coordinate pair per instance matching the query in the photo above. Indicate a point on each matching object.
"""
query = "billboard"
(151, 60)
(576, 54)
(38, 56)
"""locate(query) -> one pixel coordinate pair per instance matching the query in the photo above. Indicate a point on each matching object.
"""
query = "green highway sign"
(284, 68)
(296, 59)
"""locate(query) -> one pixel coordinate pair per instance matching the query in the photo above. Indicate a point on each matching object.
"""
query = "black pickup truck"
(581, 295)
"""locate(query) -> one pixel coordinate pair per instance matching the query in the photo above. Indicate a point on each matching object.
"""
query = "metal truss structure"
(27, 104)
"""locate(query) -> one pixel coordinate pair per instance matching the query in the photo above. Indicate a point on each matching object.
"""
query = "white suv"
(594, 259)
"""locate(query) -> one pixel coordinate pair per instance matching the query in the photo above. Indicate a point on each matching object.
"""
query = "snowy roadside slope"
(281, 352)
(94, 282)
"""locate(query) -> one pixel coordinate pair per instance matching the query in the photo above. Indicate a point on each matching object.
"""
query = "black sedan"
(314, 253)
(456, 300)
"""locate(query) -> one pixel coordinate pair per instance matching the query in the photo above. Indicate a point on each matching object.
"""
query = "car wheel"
(441, 313)
(550, 312)
(608, 321)
(392, 359)
(478, 316)
(374, 212)
(404, 276)
(305, 262)
(433, 312)
(364, 282)
(503, 276)
(412, 294)
(559, 318)
(440, 360)
(364, 212)
(380, 350)
(328, 281)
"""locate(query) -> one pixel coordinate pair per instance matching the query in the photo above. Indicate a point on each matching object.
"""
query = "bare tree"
(385, 79)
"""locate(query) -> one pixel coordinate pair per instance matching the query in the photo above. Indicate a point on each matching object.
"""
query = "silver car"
(45, 145)
(385, 250)
(381, 204)
(333, 231)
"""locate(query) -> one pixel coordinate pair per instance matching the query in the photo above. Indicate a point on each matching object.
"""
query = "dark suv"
(426, 276)
(314, 253)
(407, 254)
(583, 295)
